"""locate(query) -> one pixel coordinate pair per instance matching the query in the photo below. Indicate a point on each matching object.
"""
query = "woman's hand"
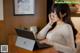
(43, 41)
(51, 18)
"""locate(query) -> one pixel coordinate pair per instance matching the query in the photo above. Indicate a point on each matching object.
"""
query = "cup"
(33, 29)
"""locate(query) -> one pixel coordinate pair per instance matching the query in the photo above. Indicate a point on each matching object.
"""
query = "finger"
(49, 15)
(50, 18)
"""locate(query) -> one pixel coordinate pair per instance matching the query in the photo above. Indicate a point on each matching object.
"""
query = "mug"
(33, 29)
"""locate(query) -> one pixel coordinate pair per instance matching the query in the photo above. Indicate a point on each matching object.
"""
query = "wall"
(76, 22)
(2, 31)
(11, 21)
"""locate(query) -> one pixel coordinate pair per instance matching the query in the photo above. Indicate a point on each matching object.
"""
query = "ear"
(62, 15)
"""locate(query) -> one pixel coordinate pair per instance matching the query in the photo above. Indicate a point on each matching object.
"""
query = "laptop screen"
(25, 34)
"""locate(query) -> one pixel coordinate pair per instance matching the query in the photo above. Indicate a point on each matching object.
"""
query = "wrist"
(50, 23)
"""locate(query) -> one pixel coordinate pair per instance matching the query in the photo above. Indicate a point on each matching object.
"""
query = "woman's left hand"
(43, 41)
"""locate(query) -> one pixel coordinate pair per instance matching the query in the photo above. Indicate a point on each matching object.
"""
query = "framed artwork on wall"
(68, 1)
(24, 7)
(1, 10)
(75, 9)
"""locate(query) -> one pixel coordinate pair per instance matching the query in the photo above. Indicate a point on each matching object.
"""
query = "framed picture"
(68, 1)
(1, 11)
(75, 9)
(24, 7)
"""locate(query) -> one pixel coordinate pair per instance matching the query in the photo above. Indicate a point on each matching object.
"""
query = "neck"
(59, 22)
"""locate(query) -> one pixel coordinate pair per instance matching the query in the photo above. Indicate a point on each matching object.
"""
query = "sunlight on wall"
(76, 22)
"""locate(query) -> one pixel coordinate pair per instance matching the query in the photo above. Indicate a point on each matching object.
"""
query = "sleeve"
(68, 36)
(42, 33)
(78, 38)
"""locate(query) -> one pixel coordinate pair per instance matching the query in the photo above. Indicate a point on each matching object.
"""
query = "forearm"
(62, 48)
(43, 32)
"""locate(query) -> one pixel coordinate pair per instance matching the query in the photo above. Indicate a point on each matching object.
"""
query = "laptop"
(29, 35)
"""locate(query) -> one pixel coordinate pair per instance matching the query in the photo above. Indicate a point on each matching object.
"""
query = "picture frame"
(24, 7)
(68, 1)
(75, 10)
(1, 11)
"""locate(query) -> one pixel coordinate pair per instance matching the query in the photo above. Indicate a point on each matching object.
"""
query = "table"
(15, 49)
(47, 50)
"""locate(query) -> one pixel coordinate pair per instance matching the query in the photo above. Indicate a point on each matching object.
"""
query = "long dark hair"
(64, 8)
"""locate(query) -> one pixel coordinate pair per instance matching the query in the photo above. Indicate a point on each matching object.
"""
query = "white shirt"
(61, 37)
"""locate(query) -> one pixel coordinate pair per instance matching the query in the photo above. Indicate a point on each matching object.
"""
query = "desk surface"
(14, 49)
(48, 50)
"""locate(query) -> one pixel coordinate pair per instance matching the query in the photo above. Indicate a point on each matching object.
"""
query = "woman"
(78, 42)
(61, 36)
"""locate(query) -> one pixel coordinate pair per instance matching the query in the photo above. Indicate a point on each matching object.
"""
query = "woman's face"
(54, 16)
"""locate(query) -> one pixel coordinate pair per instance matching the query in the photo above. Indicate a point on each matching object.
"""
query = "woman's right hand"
(51, 19)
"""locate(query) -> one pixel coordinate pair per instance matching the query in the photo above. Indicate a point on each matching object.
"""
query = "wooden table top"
(15, 49)
(47, 50)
